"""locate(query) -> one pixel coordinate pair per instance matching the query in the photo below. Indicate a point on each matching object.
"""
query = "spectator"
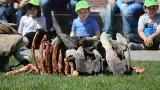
(59, 6)
(111, 9)
(21, 10)
(7, 11)
(149, 25)
(84, 25)
(131, 11)
(72, 7)
(32, 22)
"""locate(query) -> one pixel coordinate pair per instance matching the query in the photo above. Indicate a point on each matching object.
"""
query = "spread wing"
(117, 66)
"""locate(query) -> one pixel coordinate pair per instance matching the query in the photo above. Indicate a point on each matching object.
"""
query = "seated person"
(149, 25)
(72, 4)
(58, 6)
(131, 10)
(7, 11)
(84, 25)
(113, 7)
(32, 22)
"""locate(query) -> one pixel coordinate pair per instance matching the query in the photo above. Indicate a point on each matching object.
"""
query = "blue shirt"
(87, 29)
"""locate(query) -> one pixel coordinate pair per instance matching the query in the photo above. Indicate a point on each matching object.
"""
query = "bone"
(48, 62)
(33, 47)
(66, 67)
(60, 61)
(41, 56)
(54, 58)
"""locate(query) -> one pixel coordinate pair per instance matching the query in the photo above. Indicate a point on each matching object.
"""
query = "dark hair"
(30, 6)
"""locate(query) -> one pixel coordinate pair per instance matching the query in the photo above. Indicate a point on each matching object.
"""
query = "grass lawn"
(147, 81)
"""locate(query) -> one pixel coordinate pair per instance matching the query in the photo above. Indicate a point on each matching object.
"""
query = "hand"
(149, 41)
(145, 41)
(16, 5)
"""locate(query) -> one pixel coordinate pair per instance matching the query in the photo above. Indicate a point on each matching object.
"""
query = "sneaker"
(135, 46)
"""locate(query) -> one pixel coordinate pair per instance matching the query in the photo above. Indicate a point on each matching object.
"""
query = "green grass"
(147, 81)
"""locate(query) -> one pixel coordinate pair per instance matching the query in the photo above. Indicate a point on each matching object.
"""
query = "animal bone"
(48, 62)
(41, 56)
(54, 58)
(33, 47)
(60, 61)
(66, 67)
(24, 69)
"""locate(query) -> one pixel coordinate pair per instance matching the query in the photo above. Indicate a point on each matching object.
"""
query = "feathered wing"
(117, 66)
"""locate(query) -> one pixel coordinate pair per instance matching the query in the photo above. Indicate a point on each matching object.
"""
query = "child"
(84, 25)
(32, 22)
(149, 24)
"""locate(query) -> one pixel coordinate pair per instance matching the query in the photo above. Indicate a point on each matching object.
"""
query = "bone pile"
(51, 60)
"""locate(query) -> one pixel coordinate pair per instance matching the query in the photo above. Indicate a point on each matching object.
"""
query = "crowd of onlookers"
(140, 19)
(13, 10)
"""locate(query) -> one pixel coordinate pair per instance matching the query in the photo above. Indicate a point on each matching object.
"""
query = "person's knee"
(123, 7)
(127, 13)
(132, 9)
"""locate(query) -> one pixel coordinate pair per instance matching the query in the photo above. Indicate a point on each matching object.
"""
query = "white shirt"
(145, 19)
(28, 24)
